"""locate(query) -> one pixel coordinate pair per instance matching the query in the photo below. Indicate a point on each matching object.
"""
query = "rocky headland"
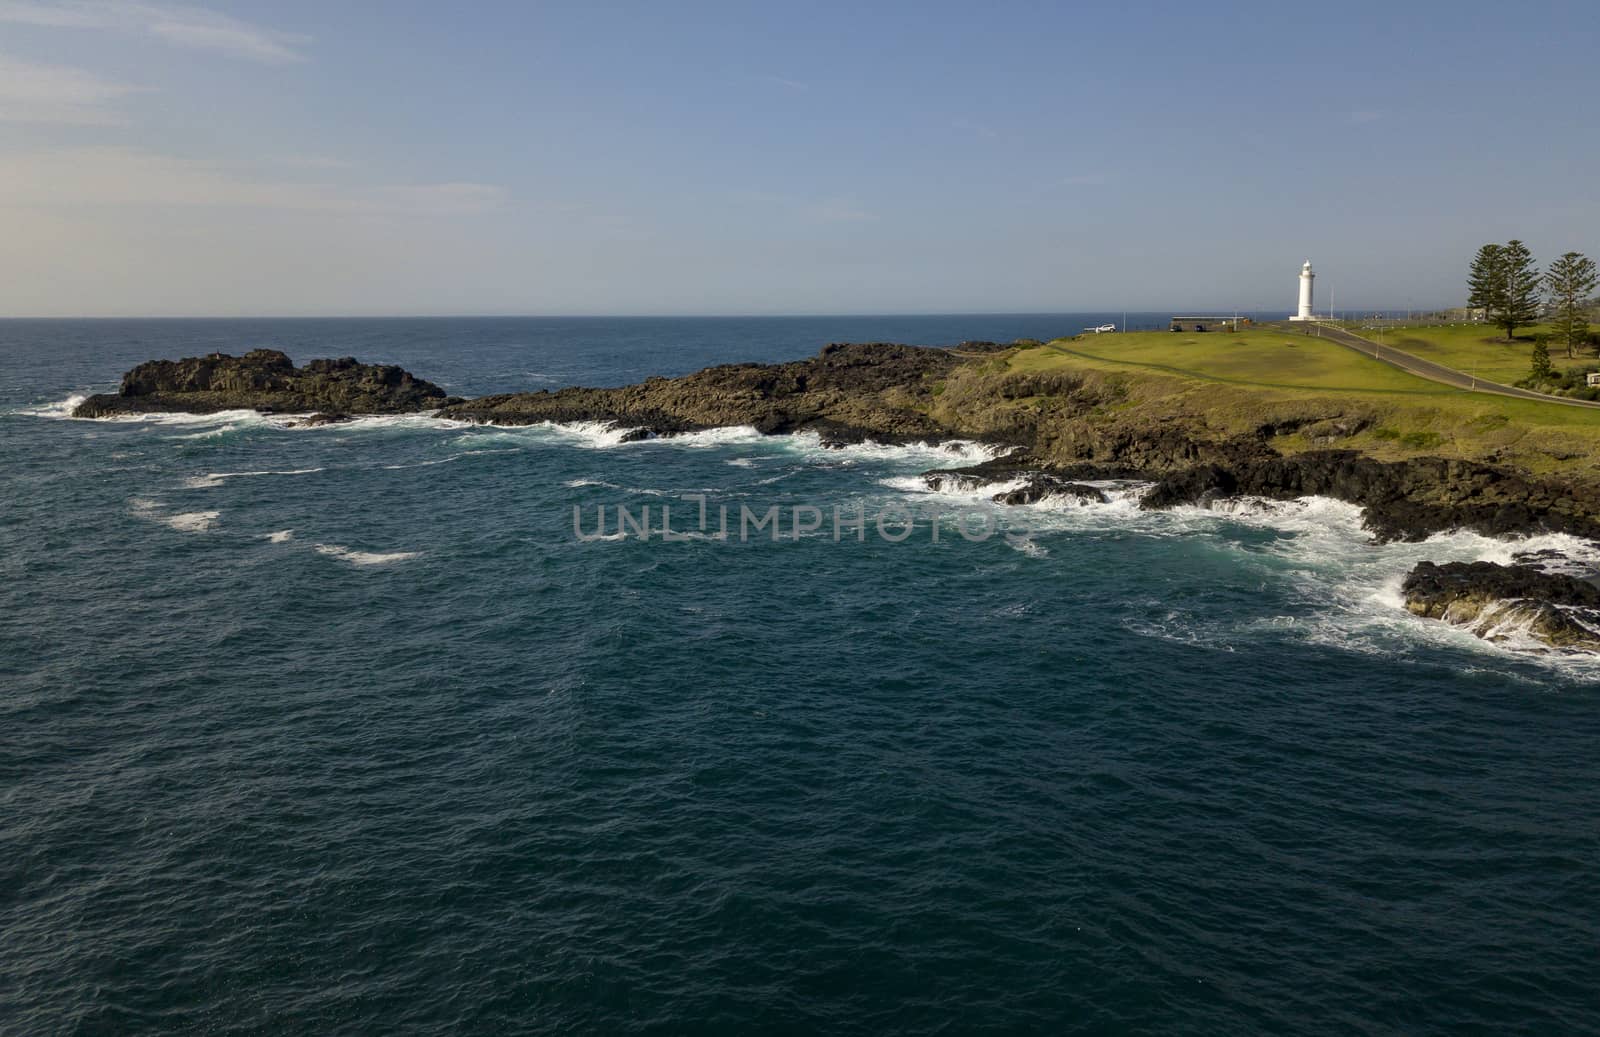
(1058, 428)
(265, 380)
(846, 393)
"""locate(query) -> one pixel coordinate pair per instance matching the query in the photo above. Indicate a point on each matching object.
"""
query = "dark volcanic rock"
(1404, 500)
(1037, 485)
(1494, 600)
(846, 393)
(325, 419)
(265, 380)
(1004, 468)
(1041, 486)
(1198, 485)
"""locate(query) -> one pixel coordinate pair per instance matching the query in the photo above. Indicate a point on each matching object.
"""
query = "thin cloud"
(114, 176)
(313, 162)
(60, 94)
(788, 84)
(179, 25)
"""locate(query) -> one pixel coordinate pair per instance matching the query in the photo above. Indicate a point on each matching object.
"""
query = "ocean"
(347, 729)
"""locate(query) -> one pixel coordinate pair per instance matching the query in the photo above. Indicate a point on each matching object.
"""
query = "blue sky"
(405, 157)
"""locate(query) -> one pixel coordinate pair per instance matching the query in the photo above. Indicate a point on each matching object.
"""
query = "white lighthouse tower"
(1306, 277)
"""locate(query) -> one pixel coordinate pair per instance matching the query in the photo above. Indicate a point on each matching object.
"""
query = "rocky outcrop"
(319, 419)
(1043, 486)
(1403, 500)
(846, 393)
(1508, 602)
(265, 380)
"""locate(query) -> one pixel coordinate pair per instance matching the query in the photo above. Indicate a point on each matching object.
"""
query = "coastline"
(1052, 433)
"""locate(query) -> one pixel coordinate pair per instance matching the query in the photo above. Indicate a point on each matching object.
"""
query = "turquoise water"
(342, 730)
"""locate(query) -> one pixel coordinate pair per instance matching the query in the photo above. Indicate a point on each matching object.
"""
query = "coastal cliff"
(265, 380)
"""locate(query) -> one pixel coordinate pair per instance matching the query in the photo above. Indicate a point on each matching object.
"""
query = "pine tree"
(1485, 281)
(1521, 279)
(1542, 372)
(1570, 280)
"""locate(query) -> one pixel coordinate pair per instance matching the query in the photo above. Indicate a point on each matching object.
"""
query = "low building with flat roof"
(1207, 323)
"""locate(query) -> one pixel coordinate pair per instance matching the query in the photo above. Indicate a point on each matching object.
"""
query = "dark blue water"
(342, 730)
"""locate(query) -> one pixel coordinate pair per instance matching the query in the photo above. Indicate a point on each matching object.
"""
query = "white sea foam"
(1347, 587)
(61, 409)
(237, 418)
(601, 435)
(594, 435)
(731, 435)
(193, 521)
(282, 536)
(355, 557)
(422, 464)
(952, 490)
(1027, 545)
(950, 453)
(211, 479)
(213, 433)
(418, 421)
(184, 522)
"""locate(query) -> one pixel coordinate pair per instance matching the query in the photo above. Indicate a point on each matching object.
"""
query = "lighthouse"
(1306, 277)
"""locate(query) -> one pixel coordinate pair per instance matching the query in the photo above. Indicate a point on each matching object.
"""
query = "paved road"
(1427, 368)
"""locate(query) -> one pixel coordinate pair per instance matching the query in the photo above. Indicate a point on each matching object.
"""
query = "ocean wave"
(354, 557)
(58, 411)
(1347, 587)
(603, 435)
(421, 464)
(183, 522)
(1351, 586)
(193, 521)
(212, 479)
(240, 418)
(957, 452)
(950, 489)
(416, 421)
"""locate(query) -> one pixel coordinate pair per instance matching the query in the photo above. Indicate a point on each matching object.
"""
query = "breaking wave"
(354, 557)
(210, 479)
(60, 410)
(183, 522)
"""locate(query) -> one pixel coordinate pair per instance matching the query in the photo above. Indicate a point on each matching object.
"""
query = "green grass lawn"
(1260, 358)
(1477, 348)
(1268, 364)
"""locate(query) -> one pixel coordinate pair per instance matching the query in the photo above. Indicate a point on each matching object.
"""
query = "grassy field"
(1258, 358)
(1479, 348)
(1238, 381)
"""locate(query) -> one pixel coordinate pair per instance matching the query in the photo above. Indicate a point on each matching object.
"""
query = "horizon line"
(1186, 311)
